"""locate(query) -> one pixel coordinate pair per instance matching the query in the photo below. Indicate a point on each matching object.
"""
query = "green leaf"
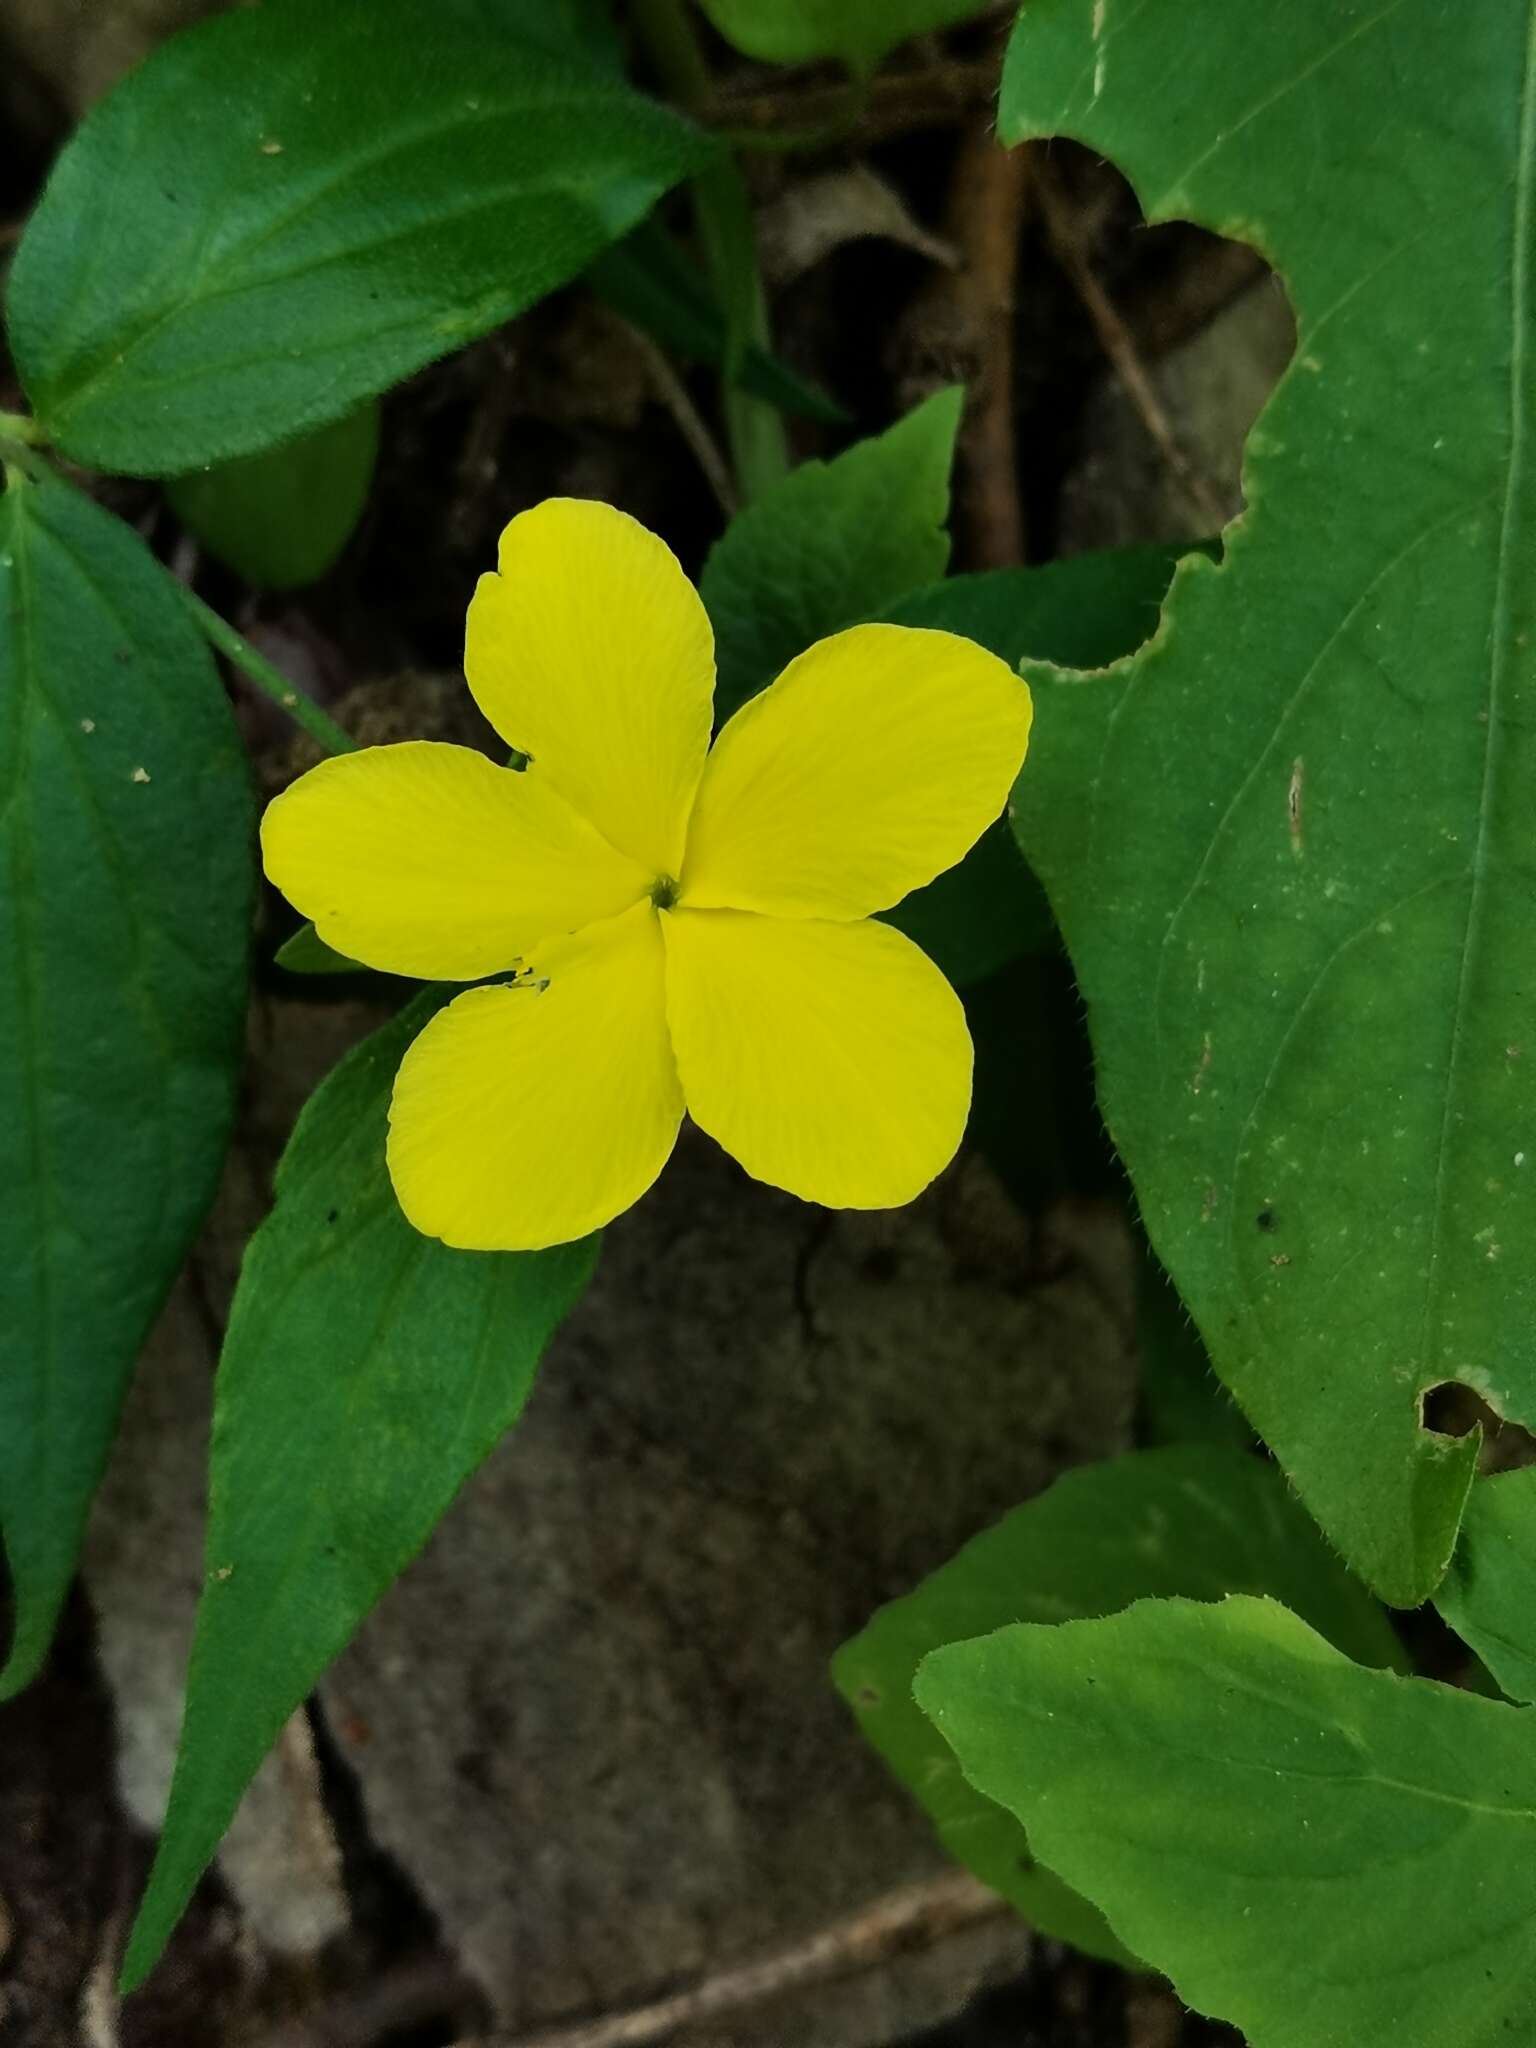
(1081, 613)
(288, 208)
(305, 952)
(281, 518)
(582, 29)
(1325, 1855)
(860, 32)
(1090, 610)
(977, 916)
(1181, 1399)
(1289, 843)
(126, 881)
(366, 1372)
(1194, 1520)
(1487, 1595)
(834, 543)
(650, 281)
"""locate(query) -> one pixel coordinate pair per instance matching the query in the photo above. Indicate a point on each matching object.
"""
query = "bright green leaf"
(1489, 1594)
(1289, 843)
(1196, 1520)
(281, 518)
(860, 32)
(834, 543)
(650, 281)
(1325, 1855)
(126, 879)
(288, 208)
(366, 1372)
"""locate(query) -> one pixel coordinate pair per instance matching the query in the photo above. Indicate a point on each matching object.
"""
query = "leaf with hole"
(287, 209)
(366, 1372)
(1288, 843)
(1323, 1854)
(126, 881)
(1197, 1520)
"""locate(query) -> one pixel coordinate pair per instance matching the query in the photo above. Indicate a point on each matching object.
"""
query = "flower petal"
(429, 860)
(875, 761)
(525, 1116)
(592, 652)
(830, 1059)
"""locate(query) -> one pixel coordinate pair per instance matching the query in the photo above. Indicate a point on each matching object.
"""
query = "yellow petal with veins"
(528, 1115)
(830, 1059)
(429, 860)
(875, 761)
(591, 651)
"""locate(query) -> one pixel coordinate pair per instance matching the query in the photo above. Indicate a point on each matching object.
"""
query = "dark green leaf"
(583, 29)
(860, 32)
(834, 543)
(288, 208)
(282, 517)
(1489, 1594)
(1289, 844)
(366, 1372)
(126, 879)
(305, 952)
(1088, 611)
(1327, 1856)
(1195, 1520)
(650, 281)
(1182, 1401)
(978, 916)
(1085, 612)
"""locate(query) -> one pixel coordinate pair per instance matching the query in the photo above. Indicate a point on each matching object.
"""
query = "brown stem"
(986, 210)
(899, 103)
(916, 1917)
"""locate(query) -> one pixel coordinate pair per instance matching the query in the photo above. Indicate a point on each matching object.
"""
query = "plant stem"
(257, 669)
(19, 459)
(16, 426)
(724, 214)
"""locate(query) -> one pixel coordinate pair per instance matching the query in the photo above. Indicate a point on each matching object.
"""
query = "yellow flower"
(689, 926)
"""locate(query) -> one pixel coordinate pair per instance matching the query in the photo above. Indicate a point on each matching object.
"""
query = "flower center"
(663, 892)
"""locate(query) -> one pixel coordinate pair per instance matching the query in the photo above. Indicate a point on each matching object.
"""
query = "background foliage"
(1274, 816)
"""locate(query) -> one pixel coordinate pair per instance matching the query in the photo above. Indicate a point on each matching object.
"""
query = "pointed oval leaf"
(1325, 1855)
(366, 1372)
(289, 208)
(1289, 844)
(1196, 1520)
(126, 880)
(831, 545)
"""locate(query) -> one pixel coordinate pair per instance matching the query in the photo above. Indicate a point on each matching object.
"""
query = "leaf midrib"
(214, 259)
